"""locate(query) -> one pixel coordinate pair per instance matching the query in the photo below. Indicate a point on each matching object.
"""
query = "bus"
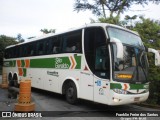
(99, 62)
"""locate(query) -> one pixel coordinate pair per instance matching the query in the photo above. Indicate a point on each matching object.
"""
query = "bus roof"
(73, 29)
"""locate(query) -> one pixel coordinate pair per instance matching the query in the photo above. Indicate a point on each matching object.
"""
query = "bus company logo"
(6, 114)
(58, 60)
(60, 65)
(6, 64)
(54, 73)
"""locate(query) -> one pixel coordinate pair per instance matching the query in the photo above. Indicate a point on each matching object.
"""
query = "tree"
(130, 19)
(115, 7)
(46, 31)
(19, 38)
(149, 30)
(111, 20)
(4, 42)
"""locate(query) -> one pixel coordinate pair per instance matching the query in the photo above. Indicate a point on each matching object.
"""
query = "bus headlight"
(120, 91)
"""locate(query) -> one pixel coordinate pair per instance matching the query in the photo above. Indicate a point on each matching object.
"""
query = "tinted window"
(7, 53)
(125, 37)
(64, 43)
(30, 49)
(40, 47)
(56, 45)
(96, 52)
(48, 46)
(72, 42)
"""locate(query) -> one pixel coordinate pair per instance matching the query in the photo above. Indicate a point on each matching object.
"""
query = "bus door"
(86, 83)
(101, 74)
(97, 58)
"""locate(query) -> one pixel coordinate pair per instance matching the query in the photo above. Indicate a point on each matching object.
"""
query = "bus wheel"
(11, 82)
(15, 79)
(71, 93)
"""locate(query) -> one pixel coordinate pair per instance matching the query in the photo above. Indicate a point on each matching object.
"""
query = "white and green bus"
(99, 62)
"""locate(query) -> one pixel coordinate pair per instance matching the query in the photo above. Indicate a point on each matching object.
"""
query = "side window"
(89, 39)
(56, 45)
(16, 52)
(30, 49)
(96, 52)
(20, 51)
(72, 42)
(100, 60)
(11, 52)
(40, 47)
(24, 50)
(48, 46)
(6, 54)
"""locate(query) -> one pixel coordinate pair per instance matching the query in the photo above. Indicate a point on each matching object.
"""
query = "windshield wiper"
(140, 59)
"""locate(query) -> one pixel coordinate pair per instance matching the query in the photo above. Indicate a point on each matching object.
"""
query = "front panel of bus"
(115, 81)
(129, 82)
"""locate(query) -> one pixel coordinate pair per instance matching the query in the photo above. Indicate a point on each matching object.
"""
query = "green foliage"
(4, 42)
(112, 20)
(148, 30)
(19, 38)
(154, 78)
(117, 7)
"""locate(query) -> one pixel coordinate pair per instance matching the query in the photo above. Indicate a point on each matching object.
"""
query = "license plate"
(136, 99)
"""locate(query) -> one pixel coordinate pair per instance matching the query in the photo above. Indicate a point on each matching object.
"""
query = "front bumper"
(121, 99)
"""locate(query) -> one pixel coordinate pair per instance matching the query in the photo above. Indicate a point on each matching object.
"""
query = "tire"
(71, 93)
(16, 83)
(11, 82)
(15, 80)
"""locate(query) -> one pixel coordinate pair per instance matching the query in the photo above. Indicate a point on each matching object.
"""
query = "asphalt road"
(53, 106)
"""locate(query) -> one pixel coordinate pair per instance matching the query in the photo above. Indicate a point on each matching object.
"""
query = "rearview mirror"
(157, 56)
(119, 46)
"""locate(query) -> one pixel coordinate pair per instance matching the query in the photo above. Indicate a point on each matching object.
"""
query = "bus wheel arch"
(15, 79)
(69, 89)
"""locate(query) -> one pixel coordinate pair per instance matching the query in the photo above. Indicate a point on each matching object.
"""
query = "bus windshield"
(134, 66)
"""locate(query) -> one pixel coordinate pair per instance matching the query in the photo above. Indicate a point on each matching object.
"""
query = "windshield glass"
(125, 37)
(134, 66)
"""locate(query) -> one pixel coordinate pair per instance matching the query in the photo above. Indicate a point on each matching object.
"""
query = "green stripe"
(13, 63)
(57, 63)
(42, 63)
(24, 72)
(78, 60)
(115, 85)
(136, 86)
(22, 63)
(132, 86)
